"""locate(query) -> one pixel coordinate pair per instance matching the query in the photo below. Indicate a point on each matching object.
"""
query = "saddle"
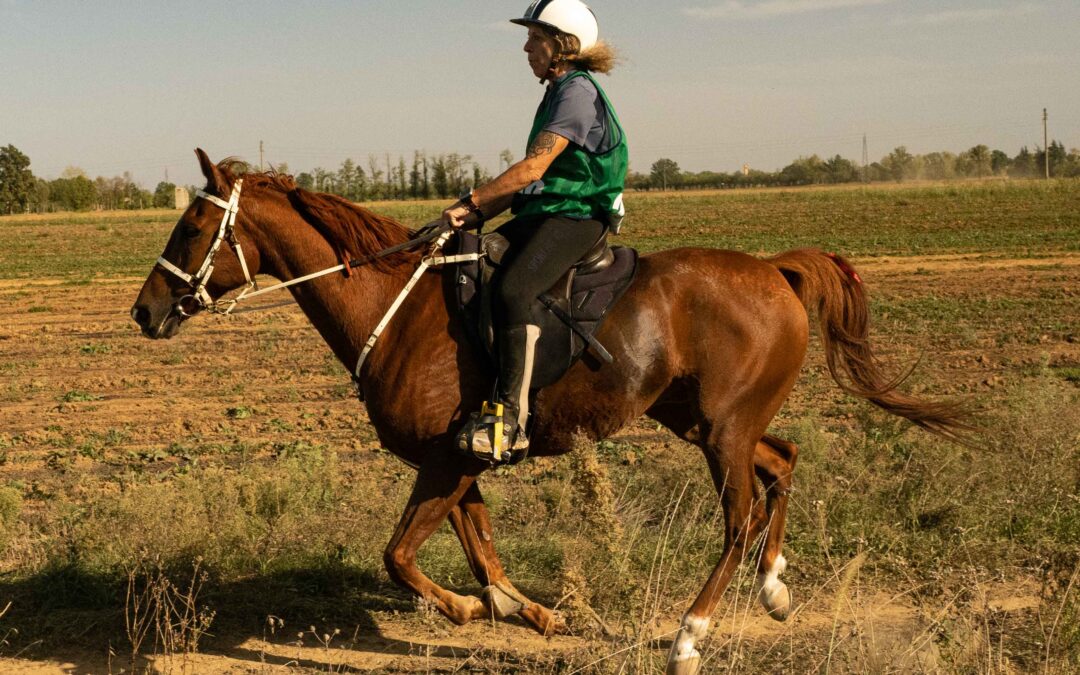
(576, 305)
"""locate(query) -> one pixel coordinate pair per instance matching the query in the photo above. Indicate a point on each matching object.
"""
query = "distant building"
(746, 169)
(182, 197)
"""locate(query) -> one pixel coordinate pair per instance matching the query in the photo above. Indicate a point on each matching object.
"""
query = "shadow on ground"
(68, 614)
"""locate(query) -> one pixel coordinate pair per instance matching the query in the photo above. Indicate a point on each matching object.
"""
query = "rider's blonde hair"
(600, 58)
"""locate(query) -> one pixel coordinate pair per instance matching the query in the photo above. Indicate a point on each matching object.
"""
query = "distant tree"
(425, 190)
(975, 163)
(635, 180)
(480, 175)
(439, 179)
(458, 173)
(665, 173)
(840, 170)
(324, 180)
(900, 164)
(39, 200)
(415, 176)
(375, 175)
(17, 185)
(800, 172)
(346, 180)
(506, 160)
(938, 166)
(999, 162)
(1058, 158)
(73, 194)
(1023, 165)
(879, 172)
(1071, 168)
(305, 180)
(401, 178)
(165, 196)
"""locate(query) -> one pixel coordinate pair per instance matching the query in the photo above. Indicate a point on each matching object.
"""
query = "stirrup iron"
(490, 436)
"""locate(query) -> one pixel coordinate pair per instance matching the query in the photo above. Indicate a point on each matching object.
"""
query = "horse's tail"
(827, 283)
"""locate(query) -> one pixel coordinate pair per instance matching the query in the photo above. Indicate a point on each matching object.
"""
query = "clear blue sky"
(118, 85)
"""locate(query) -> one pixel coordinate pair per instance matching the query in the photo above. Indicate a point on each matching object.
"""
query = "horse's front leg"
(440, 484)
(473, 527)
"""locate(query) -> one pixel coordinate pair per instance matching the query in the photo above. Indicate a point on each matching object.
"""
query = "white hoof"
(684, 658)
(500, 603)
(687, 666)
(777, 601)
(773, 593)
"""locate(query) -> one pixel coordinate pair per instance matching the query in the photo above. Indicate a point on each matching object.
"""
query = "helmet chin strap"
(551, 75)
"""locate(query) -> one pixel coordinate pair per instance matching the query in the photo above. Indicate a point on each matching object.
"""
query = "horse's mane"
(350, 229)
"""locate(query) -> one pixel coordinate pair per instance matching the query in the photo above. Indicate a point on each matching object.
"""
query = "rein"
(439, 233)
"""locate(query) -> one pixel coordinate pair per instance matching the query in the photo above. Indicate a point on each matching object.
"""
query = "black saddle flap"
(598, 282)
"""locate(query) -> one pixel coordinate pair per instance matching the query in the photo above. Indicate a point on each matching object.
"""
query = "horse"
(708, 343)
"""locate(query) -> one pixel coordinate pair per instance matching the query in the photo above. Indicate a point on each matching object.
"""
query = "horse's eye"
(190, 231)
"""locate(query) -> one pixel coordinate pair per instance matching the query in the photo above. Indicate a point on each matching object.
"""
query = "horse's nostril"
(141, 315)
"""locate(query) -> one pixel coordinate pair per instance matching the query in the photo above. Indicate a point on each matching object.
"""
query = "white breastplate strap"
(426, 262)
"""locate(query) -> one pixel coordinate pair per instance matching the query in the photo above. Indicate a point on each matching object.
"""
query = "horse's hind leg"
(774, 463)
(730, 459)
(473, 527)
(440, 485)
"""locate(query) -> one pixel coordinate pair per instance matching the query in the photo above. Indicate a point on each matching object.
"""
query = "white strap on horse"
(226, 232)
(426, 262)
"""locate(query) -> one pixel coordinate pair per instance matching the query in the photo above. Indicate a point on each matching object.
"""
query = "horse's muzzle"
(166, 327)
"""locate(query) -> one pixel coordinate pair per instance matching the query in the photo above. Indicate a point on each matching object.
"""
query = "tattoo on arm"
(543, 144)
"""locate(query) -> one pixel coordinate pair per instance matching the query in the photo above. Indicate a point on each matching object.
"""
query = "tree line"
(426, 177)
(899, 165)
(447, 175)
(23, 192)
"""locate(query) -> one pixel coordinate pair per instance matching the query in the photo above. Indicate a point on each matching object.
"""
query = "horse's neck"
(345, 310)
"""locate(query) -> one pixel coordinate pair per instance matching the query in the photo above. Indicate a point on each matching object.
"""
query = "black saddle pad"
(588, 302)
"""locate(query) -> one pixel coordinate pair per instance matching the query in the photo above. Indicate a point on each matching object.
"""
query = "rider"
(563, 194)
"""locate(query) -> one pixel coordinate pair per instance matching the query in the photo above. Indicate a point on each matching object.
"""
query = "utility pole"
(865, 161)
(260, 156)
(1046, 147)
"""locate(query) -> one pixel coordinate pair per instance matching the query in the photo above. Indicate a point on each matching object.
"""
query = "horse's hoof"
(688, 665)
(684, 658)
(500, 603)
(777, 601)
(461, 609)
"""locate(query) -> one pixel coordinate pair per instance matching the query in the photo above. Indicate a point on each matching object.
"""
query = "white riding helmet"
(572, 17)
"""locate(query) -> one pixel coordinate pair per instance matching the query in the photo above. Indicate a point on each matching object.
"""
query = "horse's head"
(195, 268)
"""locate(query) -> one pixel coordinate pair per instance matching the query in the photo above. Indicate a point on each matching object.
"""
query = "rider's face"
(540, 49)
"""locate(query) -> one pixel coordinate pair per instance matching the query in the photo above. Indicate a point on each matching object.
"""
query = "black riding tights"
(541, 251)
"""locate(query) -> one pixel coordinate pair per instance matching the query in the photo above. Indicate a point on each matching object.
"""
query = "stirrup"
(488, 436)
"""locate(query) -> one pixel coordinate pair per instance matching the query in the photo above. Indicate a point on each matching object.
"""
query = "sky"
(114, 86)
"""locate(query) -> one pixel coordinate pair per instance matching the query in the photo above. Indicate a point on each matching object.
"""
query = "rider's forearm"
(495, 197)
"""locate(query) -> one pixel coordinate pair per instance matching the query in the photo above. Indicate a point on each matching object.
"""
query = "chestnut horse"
(709, 343)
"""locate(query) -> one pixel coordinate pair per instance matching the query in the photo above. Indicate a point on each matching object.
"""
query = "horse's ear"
(215, 180)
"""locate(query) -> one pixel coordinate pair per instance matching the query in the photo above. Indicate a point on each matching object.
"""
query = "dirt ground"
(72, 359)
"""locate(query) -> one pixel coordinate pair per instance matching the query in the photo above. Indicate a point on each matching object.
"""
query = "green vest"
(578, 184)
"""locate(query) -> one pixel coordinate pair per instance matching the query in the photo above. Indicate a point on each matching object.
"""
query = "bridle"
(226, 232)
(438, 234)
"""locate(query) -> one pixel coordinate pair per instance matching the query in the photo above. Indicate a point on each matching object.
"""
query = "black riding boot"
(497, 432)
